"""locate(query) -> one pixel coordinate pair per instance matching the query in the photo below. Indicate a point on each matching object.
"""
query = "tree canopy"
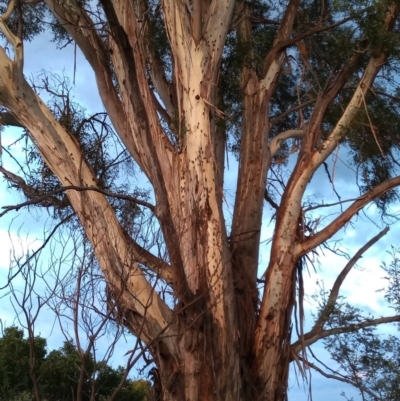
(294, 91)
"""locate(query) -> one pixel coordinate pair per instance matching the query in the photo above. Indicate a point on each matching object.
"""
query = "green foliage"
(157, 37)
(59, 372)
(32, 18)
(368, 358)
(328, 51)
(371, 141)
(141, 389)
(392, 270)
(15, 362)
(101, 150)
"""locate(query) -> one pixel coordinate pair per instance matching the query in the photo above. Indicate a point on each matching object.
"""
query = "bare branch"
(142, 255)
(338, 377)
(328, 204)
(295, 108)
(346, 216)
(101, 225)
(357, 326)
(46, 196)
(14, 40)
(270, 200)
(36, 253)
(314, 334)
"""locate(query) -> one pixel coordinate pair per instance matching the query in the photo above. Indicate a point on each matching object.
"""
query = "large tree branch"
(14, 40)
(358, 99)
(82, 30)
(255, 154)
(164, 89)
(273, 321)
(197, 20)
(279, 47)
(127, 37)
(110, 244)
(314, 334)
(276, 142)
(352, 109)
(211, 21)
(346, 216)
(280, 43)
(275, 313)
(377, 92)
(333, 86)
(5, 16)
(287, 219)
(196, 179)
(141, 255)
(255, 158)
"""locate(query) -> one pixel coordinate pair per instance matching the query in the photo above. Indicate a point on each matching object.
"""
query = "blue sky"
(24, 229)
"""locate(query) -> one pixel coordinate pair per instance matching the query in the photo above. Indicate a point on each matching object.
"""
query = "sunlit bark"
(219, 342)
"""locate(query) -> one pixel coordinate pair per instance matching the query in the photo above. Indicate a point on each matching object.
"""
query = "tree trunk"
(215, 341)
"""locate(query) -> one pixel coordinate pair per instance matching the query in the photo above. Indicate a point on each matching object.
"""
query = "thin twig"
(79, 189)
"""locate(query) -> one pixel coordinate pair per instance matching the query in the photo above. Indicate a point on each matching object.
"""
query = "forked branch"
(338, 377)
(64, 158)
(142, 256)
(82, 30)
(276, 143)
(14, 40)
(332, 228)
(315, 333)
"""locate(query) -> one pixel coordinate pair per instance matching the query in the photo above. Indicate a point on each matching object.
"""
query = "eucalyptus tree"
(183, 83)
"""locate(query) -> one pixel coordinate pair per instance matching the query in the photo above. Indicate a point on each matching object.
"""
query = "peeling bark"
(219, 342)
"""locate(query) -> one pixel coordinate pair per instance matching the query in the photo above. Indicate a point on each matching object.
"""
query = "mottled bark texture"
(220, 341)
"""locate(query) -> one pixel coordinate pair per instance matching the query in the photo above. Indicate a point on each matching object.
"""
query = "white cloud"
(15, 246)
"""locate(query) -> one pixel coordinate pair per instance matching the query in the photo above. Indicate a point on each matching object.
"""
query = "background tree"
(366, 358)
(58, 373)
(15, 366)
(182, 84)
(61, 372)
